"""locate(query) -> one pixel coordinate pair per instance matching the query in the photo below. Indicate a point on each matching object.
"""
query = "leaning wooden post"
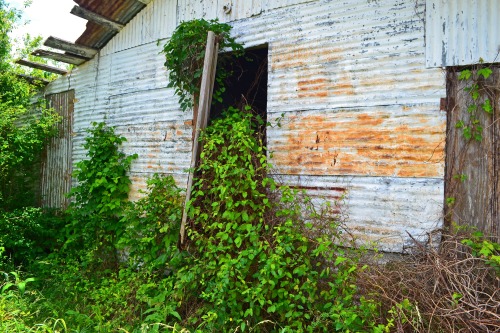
(207, 84)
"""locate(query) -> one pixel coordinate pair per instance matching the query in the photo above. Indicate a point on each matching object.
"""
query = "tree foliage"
(25, 125)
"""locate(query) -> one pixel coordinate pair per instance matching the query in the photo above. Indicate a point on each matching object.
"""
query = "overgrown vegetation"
(260, 257)
(184, 55)
(20, 145)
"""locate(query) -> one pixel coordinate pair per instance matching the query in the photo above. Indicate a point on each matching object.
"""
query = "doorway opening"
(246, 85)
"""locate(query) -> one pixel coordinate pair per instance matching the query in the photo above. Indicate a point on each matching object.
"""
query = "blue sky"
(49, 18)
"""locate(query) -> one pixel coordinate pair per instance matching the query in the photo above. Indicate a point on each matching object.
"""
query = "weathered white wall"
(361, 111)
(460, 32)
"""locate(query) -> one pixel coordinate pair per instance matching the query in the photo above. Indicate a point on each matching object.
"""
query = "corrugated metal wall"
(56, 165)
(359, 110)
(460, 32)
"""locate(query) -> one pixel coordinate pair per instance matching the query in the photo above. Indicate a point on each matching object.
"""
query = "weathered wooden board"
(473, 167)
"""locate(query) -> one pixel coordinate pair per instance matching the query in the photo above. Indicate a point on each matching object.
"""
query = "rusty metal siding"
(460, 32)
(394, 141)
(56, 165)
(360, 110)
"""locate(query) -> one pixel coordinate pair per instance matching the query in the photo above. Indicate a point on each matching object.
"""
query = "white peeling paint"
(460, 32)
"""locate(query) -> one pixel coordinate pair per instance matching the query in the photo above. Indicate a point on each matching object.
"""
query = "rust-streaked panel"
(56, 166)
(397, 141)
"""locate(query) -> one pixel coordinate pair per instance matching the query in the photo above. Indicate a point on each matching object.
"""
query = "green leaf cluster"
(101, 195)
(472, 127)
(185, 53)
(257, 262)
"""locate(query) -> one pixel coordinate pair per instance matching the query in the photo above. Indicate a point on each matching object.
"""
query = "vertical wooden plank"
(207, 83)
(473, 167)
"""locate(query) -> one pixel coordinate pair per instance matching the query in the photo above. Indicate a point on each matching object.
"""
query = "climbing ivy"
(184, 55)
(472, 128)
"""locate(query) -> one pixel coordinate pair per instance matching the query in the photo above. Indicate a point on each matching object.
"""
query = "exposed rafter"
(33, 80)
(43, 67)
(96, 18)
(80, 50)
(67, 58)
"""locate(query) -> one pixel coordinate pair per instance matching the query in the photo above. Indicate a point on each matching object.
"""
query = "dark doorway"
(247, 85)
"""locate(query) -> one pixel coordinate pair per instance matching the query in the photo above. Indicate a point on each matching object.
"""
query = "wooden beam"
(43, 67)
(144, 1)
(69, 59)
(80, 50)
(206, 89)
(33, 80)
(96, 18)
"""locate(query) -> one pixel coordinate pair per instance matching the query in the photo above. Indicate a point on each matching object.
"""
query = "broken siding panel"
(397, 141)
(382, 210)
(157, 21)
(344, 55)
(461, 32)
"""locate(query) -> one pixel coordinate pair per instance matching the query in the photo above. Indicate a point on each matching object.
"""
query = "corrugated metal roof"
(121, 11)
(460, 32)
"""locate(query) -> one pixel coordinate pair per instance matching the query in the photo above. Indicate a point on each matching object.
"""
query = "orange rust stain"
(360, 144)
(314, 94)
(303, 55)
(178, 132)
(305, 84)
(344, 85)
(313, 88)
(366, 119)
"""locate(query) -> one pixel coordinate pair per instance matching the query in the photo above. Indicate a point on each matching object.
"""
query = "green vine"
(184, 55)
(473, 129)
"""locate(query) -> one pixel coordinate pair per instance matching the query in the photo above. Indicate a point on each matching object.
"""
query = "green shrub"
(100, 197)
(30, 234)
(151, 225)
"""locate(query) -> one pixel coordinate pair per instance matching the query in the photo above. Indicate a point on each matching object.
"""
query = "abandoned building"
(359, 86)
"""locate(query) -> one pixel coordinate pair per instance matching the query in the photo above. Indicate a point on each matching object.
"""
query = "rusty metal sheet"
(121, 11)
(56, 165)
(460, 32)
(397, 141)
(320, 57)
